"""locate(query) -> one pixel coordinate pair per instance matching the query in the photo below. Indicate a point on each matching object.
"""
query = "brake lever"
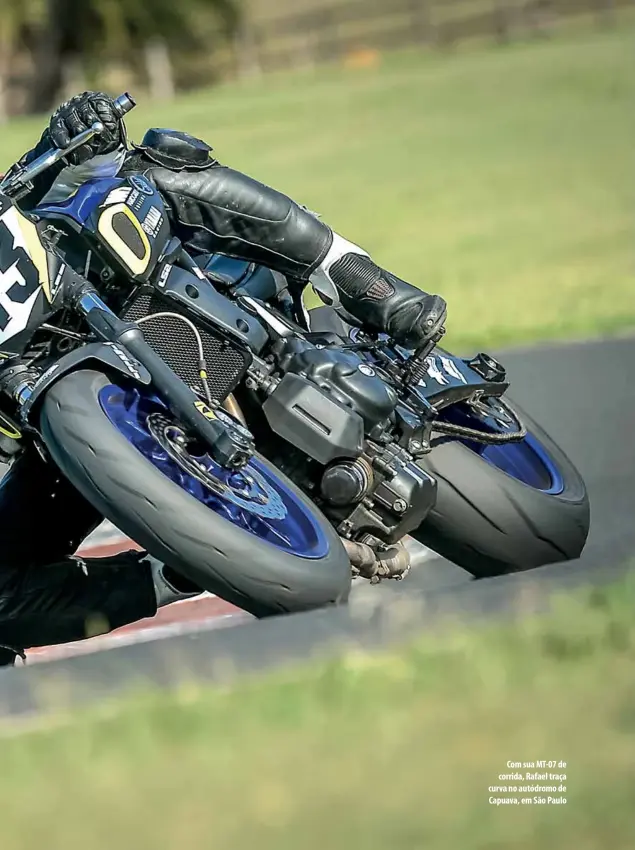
(417, 368)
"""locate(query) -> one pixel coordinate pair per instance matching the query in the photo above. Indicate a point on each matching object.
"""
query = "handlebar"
(123, 104)
(17, 183)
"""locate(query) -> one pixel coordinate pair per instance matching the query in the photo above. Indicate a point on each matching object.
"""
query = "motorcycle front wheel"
(251, 537)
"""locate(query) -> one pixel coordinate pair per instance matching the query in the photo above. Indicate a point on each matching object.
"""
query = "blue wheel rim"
(253, 499)
(528, 461)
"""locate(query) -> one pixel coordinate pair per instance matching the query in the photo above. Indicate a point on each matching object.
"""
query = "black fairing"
(204, 301)
(345, 377)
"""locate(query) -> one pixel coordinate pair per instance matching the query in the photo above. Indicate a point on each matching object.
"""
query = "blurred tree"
(17, 19)
(142, 35)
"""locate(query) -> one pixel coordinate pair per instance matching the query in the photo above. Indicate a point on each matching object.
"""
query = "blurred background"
(477, 148)
(51, 48)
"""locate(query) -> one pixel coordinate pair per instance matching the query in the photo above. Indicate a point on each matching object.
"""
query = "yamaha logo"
(141, 184)
(367, 370)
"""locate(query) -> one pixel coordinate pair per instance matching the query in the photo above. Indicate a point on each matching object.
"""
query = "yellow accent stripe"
(36, 252)
(8, 430)
(203, 409)
(135, 264)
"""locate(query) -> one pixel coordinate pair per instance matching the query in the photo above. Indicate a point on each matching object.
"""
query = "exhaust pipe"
(393, 563)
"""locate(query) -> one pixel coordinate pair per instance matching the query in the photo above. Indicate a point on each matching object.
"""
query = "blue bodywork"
(83, 203)
(253, 499)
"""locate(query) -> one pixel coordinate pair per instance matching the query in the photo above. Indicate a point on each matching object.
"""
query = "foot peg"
(435, 311)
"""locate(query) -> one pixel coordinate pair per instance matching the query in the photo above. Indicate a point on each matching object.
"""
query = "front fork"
(229, 447)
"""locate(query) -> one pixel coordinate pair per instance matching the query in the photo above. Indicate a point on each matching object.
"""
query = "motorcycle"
(269, 454)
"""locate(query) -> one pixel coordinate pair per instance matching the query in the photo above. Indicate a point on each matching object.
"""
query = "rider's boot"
(170, 586)
(9, 656)
(379, 300)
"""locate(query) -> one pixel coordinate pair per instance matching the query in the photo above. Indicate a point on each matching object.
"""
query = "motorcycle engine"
(345, 377)
(368, 485)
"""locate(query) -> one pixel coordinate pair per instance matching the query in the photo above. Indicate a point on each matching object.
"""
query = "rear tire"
(490, 523)
(174, 526)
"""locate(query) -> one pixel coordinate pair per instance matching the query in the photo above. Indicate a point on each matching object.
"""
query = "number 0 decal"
(23, 270)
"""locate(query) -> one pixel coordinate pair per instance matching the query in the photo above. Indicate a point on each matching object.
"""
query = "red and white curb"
(180, 618)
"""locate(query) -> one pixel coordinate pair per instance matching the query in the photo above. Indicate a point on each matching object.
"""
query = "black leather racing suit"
(47, 596)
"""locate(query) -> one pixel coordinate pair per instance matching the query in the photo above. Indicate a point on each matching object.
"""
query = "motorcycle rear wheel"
(490, 522)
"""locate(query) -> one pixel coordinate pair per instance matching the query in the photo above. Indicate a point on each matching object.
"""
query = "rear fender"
(107, 356)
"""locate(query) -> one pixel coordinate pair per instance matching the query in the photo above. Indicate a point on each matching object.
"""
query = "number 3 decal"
(23, 270)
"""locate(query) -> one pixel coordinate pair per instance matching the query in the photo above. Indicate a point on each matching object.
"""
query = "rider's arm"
(43, 182)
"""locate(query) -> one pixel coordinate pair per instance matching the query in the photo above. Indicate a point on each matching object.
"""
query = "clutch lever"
(18, 182)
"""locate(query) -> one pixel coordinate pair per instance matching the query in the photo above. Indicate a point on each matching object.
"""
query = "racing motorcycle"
(269, 453)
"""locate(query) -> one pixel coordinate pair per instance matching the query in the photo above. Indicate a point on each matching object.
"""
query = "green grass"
(394, 750)
(500, 178)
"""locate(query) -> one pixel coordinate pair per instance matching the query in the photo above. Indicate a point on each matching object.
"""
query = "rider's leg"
(223, 210)
(375, 297)
(47, 596)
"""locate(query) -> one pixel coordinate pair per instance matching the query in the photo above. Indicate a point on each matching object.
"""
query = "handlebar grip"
(123, 104)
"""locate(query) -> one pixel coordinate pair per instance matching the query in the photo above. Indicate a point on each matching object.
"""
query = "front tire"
(490, 523)
(175, 527)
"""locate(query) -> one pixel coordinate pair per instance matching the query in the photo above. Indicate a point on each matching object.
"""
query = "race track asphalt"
(582, 393)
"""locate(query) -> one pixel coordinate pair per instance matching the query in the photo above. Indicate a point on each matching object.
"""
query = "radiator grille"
(175, 342)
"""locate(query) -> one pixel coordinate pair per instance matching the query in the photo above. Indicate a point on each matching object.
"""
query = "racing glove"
(78, 114)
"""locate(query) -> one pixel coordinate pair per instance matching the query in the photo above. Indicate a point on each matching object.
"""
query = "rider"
(46, 595)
